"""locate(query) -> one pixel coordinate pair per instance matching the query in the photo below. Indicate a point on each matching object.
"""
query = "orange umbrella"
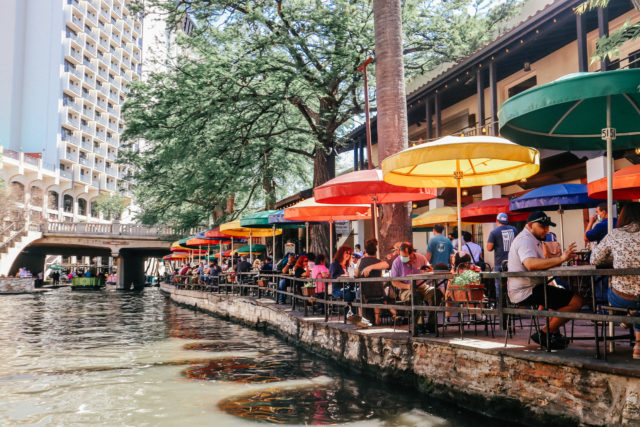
(626, 185)
(310, 210)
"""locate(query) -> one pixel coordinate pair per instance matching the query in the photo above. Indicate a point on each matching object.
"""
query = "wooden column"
(480, 90)
(493, 86)
(428, 118)
(356, 163)
(603, 30)
(363, 161)
(581, 34)
(436, 100)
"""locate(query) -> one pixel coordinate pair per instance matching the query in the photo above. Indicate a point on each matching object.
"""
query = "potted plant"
(466, 286)
(309, 289)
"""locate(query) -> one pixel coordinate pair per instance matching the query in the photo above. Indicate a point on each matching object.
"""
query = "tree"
(392, 110)
(111, 205)
(607, 46)
(266, 90)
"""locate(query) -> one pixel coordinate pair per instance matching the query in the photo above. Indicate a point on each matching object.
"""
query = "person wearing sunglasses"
(526, 254)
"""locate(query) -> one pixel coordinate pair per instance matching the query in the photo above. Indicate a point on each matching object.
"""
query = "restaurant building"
(463, 98)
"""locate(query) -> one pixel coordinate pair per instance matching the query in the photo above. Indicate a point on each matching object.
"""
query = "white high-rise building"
(63, 79)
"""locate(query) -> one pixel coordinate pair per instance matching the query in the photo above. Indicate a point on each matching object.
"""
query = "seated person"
(371, 266)
(526, 254)
(320, 271)
(338, 268)
(407, 263)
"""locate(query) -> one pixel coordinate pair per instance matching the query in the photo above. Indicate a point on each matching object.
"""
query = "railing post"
(412, 320)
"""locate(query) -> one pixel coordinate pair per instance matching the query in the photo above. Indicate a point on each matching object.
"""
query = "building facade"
(463, 99)
(63, 79)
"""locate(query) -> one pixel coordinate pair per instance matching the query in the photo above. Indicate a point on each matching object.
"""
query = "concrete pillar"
(436, 203)
(489, 192)
(360, 236)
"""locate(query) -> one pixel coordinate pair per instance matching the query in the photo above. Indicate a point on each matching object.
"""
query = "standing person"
(439, 250)
(358, 250)
(500, 240)
(597, 227)
(320, 271)
(371, 266)
(338, 268)
(472, 248)
(621, 249)
(287, 268)
(526, 254)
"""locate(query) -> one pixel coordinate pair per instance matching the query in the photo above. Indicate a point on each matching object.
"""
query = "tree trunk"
(324, 169)
(395, 224)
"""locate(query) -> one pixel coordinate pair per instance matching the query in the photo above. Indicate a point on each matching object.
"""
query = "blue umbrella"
(555, 197)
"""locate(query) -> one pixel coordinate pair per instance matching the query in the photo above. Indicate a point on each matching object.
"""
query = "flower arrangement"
(466, 278)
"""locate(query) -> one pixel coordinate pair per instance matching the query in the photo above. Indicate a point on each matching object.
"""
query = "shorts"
(556, 297)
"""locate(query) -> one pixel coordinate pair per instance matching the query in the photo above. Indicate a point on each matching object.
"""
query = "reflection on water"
(112, 358)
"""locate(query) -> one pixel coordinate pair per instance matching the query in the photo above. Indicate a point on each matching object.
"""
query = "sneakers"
(556, 341)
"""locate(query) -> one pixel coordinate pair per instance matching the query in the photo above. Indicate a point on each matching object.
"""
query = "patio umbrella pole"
(458, 177)
(331, 240)
(232, 252)
(374, 217)
(306, 230)
(250, 245)
(273, 244)
(561, 212)
(609, 135)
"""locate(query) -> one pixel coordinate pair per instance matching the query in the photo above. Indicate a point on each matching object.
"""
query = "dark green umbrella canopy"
(257, 220)
(570, 113)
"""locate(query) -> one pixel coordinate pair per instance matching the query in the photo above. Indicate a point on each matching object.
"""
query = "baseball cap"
(502, 218)
(541, 217)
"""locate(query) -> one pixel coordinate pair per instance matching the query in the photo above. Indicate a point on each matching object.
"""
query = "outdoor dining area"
(464, 297)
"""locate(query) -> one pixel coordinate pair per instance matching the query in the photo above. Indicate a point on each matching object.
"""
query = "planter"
(263, 283)
(309, 292)
(471, 292)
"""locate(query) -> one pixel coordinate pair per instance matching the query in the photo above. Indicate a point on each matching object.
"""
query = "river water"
(117, 358)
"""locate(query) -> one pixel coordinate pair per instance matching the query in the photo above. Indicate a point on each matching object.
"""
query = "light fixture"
(465, 193)
(637, 151)
(523, 180)
(414, 205)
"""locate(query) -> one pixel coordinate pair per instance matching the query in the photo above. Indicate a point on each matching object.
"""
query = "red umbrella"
(487, 210)
(216, 234)
(368, 187)
(626, 185)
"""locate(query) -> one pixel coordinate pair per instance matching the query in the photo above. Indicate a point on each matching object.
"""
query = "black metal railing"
(497, 309)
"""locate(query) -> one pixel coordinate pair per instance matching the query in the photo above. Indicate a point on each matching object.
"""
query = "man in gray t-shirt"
(526, 254)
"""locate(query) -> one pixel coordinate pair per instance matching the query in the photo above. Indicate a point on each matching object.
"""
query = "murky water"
(72, 358)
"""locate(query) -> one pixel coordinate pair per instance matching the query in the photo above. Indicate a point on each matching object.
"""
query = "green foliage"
(263, 91)
(607, 46)
(110, 205)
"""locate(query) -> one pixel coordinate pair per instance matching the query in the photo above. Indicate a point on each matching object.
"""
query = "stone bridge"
(27, 245)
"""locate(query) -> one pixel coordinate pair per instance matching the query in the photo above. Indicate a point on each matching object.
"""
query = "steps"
(13, 246)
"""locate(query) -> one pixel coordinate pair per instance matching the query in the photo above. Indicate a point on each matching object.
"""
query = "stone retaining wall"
(16, 285)
(508, 385)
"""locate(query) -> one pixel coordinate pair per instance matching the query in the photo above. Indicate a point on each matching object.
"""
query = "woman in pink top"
(320, 271)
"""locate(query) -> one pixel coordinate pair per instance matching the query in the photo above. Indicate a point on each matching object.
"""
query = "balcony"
(71, 53)
(72, 105)
(115, 84)
(111, 155)
(67, 121)
(85, 178)
(136, 54)
(90, 96)
(114, 67)
(113, 141)
(70, 138)
(113, 126)
(110, 170)
(90, 79)
(99, 151)
(72, 20)
(104, 43)
(91, 65)
(87, 113)
(113, 96)
(87, 146)
(102, 103)
(103, 89)
(113, 111)
(91, 17)
(99, 166)
(66, 174)
(95, 182)
(88, 129)
(103, 73)
(74, 37)
(111, 186)
(71, 156)
(100, 134)
(101, 120)
(84, 161)
(70, 87)
(91, 49)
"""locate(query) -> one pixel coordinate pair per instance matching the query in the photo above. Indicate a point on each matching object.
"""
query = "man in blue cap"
(500, 241)
(526, 254)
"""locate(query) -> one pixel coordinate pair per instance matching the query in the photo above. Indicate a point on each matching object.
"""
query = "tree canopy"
(257, 102)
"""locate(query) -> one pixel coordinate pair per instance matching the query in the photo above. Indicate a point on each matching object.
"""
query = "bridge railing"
(112, 229)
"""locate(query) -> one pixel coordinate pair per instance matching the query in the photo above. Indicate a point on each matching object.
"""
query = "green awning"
(570, 113)
(255, 249)
(257, 220)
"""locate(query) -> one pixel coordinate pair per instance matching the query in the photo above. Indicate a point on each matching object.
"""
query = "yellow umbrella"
(234, 229)
(446, 215)
(461, 162)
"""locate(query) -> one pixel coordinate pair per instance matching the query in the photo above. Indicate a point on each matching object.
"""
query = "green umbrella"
(256, 249)
(581, 111)
(261, 220)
